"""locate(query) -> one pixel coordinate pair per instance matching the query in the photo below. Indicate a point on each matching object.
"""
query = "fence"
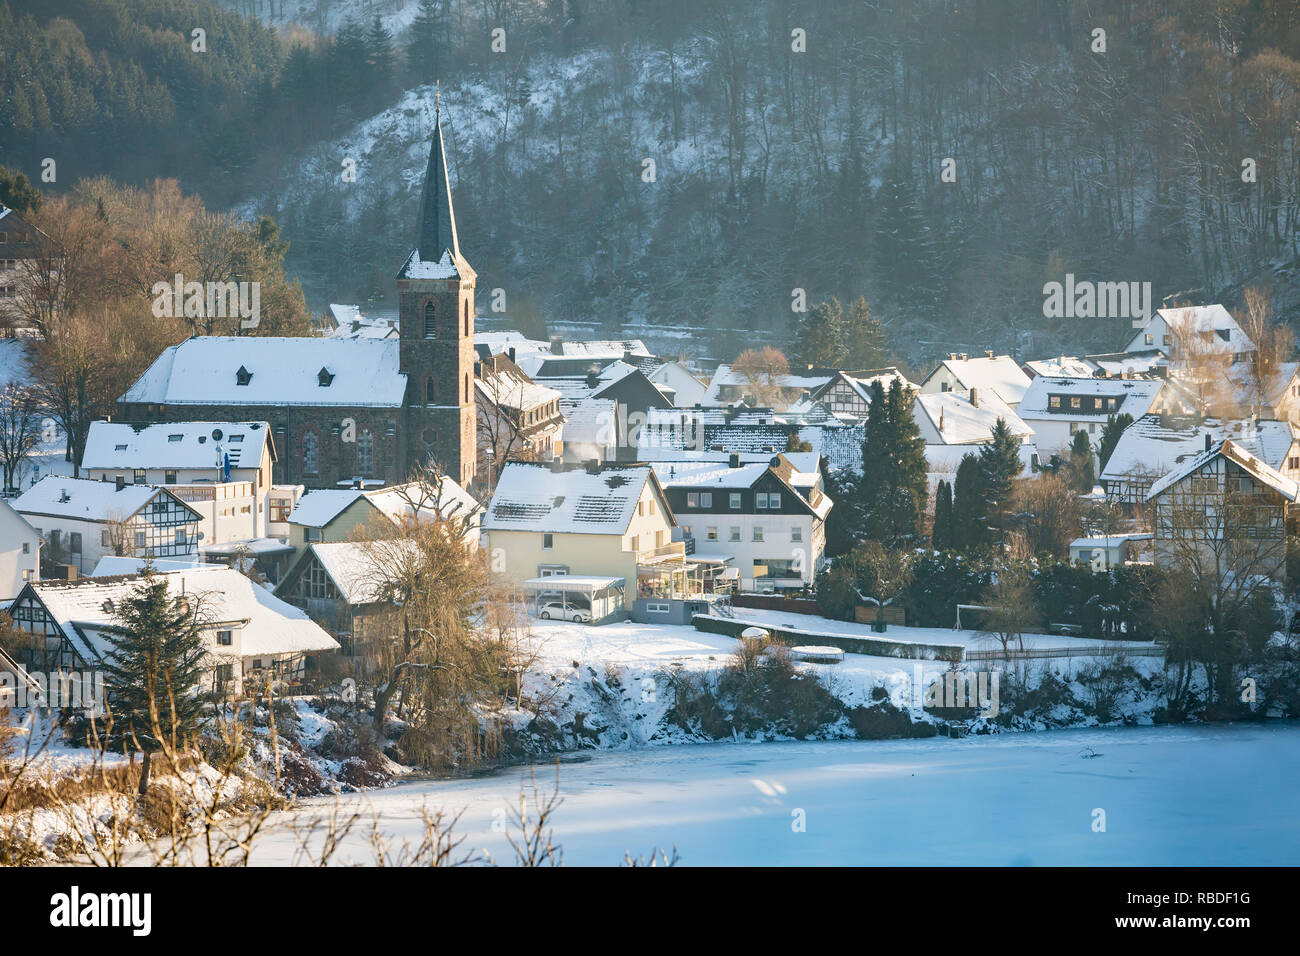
(1092, 650)
(874, 646)
(770, 602)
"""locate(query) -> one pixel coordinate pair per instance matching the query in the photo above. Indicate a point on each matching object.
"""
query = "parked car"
(559, 610)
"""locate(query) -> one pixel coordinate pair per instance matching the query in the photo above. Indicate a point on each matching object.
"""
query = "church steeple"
(437, 230)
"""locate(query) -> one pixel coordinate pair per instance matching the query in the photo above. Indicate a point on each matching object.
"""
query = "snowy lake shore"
(1220, 795)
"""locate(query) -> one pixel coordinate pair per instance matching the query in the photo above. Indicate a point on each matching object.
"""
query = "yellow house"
(601, 521)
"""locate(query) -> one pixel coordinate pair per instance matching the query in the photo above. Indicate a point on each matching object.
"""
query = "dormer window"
(324, 377)
(430, 321)
(243, 376)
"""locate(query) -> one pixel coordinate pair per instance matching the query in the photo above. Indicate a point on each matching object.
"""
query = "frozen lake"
(1170, 795)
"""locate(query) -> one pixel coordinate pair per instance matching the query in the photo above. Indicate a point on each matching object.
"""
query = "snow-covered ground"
(1170, 796)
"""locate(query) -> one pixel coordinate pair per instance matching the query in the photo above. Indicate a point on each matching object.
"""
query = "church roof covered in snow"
(267, 370)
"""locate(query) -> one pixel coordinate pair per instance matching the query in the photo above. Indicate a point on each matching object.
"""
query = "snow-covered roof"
(1266, 475)
(532, 497)
(417, 268)
(1273, 391)
(1109, 541)
(207, 370)
(351, 567)
(861, 381)
(112, 565)
(1000, 373)
(83, 610)
(1213, 321)
(1157, 444)
(727, 377)
(942, 460)
(449, 501)
(591, 421)
(714, 474)
(959, 422)
(116, 445)
(510, 388)
(316, 509)
(1063, 366)
(86, 500)
(1133, 397)
(1136, 362)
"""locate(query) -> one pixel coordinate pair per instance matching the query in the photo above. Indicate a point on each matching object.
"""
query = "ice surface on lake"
(1170, 795)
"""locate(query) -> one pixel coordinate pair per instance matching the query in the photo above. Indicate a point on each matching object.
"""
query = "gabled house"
(30, 262)
(728, 386)
(848, 394)
(82, 520)
(990, 374)
(222, 469)
(336, 584)
(608, 522)
(957, 418)
(1155, 445)
(675, 379)
(1183, 332)
(246, 630)
(1223, 515)
(767, 516)
(1057, 407)
(20, 552)
(1063, 366)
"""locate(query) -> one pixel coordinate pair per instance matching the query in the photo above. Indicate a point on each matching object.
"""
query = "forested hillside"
(794, 145)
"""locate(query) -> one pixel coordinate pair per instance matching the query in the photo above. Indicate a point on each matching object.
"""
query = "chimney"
(593, 466)
(1208, 441)
(941, 420)
(557, 345)
(988, 352)
(733, 460)
(511, 353)
(593, 380)
(975, 397)
(121, 483)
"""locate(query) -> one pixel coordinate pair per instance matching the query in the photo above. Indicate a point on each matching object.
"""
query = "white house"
(247, 630)
(848, 394)
(956, 418)
(1055, 407)
(766, 517)
(686, 389)
(82, 520)
(991, 374)
(221, 469)
(20, 552)
(1212, 325)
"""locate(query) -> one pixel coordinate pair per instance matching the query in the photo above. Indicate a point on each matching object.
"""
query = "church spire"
(437, 219)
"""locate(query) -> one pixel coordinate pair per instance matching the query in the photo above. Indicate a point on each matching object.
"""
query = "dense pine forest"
(691, 162)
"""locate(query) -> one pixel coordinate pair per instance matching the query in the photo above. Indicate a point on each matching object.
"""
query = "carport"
(602, 597)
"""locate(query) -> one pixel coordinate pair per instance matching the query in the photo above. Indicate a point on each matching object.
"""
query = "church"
(347, 409)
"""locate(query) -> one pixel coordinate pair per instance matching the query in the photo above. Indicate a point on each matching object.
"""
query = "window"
(706, 499)
(169, 477)
(1295, 461)
(796, 533)
(1148, 339)
(760, 501)
(431, 391)
(224, 638)
(735, 533)
(1076, 402)
(310, 453)
(430, 321)
(636, 542)
(651, 504)
(659, 539)
(758, 532)
(243, 376)
(74, 542)
(138, 476)
(467, 318)
(280, 509)
(1054, 401)
(180, 536)
(324, 377)
(27, 547)
(774, 500)
(105, 540)
(692, 499)
(312, 534)
(711, 533)
(656, 608)
(640, 508)
(735, 501)
(466, 398)
(548, 541)
(366, 451)
(139, 539)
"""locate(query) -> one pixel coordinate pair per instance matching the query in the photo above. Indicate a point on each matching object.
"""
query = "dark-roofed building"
(348, 409)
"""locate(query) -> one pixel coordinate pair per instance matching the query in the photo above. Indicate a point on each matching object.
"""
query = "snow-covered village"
(531, 432)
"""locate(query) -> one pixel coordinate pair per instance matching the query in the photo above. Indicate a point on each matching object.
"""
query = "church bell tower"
(435, 298)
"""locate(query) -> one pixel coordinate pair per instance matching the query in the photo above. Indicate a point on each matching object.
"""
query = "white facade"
(688, 390)
(20, 552)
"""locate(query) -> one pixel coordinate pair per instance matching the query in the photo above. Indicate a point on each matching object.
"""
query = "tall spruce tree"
(999, 464)
(969, 507)
(820, 335)
(1082, 475)
(941, 538)
(428, 40)
(907, 254)
(893, 490)
(152, 671)
(865, 343)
